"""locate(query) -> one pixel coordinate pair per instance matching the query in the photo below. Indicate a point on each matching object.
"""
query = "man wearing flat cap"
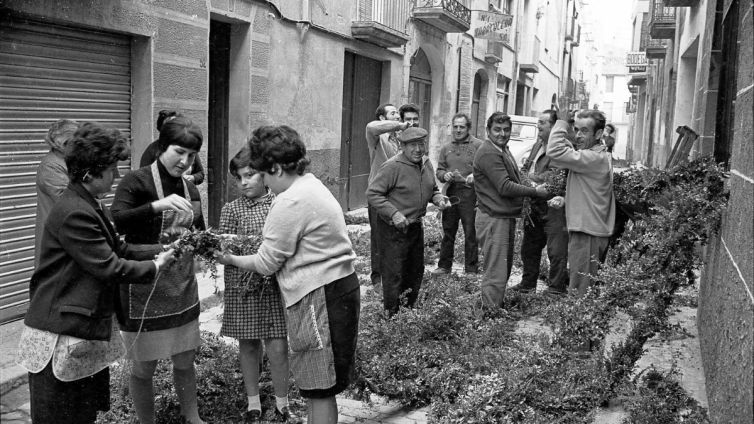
(399, 193)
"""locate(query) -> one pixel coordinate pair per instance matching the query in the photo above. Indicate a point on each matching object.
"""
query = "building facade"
(320, 66)
(696, 99)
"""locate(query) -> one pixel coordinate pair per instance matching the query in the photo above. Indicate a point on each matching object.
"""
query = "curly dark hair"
(94, 148)
(408, 107)
(181, 131)
(498, 118)
(270, 145)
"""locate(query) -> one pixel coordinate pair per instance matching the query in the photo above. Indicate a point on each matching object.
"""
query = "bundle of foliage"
(469, 365)
(220, 389)
(205, 244)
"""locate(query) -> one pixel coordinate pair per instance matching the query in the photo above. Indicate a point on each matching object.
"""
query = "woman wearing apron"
(155, 204)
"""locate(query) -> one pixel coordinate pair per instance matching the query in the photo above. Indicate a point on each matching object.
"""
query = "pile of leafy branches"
(220, 388)
(658, 398)
(469, 365)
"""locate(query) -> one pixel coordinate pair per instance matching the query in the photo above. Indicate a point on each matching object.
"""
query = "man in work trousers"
(400, 192)
(454, 168)
(589, 201)
(499, 200)
(548, 223)
(382, 141)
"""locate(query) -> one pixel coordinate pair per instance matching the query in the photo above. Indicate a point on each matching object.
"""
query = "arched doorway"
(420, 86)
(478, 104)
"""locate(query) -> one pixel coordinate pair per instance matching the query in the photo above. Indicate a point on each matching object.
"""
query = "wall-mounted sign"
(636, 62)
(491, 25)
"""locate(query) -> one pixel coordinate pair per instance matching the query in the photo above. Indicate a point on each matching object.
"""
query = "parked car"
(523, 136)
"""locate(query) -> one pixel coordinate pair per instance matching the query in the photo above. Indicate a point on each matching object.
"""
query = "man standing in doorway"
(454, 168)
(382, 141)
(548, 223)
(589, 202)
(400, 192)
(410, 114)
(499, 200)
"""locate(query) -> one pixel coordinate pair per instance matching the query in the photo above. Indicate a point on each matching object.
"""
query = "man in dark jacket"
(499, 200)
(399, 193)
(547, 226)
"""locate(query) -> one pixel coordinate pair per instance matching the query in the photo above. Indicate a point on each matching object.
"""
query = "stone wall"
(726, 299)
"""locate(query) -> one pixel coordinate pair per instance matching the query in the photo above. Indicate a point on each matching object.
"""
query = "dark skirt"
(343, 298)
(75, 402)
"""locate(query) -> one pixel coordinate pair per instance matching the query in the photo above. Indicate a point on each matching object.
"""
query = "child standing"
(253, 306)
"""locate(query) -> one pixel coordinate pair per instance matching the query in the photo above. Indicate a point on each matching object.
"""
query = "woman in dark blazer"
(74, 288)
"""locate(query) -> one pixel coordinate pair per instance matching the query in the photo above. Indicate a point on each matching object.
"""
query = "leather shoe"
(440, 271)
(252, 416)
(523, 289)
(287, 416)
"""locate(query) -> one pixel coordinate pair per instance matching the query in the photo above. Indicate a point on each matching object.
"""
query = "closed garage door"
(47, 72)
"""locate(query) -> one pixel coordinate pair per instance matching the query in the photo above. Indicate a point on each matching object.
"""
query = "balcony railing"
(656, 49)
(662, 20)
(446, 15)
(382, 22)
(530, 60)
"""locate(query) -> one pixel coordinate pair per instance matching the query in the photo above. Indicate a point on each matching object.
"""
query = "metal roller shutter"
(47, 72)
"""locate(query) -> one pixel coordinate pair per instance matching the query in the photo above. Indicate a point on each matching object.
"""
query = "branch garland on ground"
(469, 365)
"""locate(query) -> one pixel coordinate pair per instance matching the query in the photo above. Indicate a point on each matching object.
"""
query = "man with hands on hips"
(400, 192)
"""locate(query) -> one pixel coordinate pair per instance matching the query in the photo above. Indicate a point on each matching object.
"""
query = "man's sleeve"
(380, 187)
(442, 164)
(375, 129)
(563, 155)
(494, 168)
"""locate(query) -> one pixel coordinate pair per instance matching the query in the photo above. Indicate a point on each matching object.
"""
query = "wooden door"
(362, 78)
(218, 119)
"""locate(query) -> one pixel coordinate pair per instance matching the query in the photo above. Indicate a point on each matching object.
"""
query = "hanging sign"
(491, 26)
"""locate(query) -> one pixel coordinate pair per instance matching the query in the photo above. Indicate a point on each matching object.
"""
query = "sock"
(281, 402)
(254, 403)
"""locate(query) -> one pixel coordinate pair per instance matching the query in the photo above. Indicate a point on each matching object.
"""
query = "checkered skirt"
(257, 313)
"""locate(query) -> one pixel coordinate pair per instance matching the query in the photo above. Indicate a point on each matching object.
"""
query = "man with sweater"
(499, 200)
(454, 169)
(399, 193)
(547, 226)
(589, 202)
(382, 142)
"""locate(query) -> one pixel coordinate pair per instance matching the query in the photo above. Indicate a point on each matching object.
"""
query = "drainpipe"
(458, 85)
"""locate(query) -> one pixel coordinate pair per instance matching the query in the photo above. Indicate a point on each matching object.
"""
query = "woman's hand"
(224, 258)
(164, 258)
(172, 202)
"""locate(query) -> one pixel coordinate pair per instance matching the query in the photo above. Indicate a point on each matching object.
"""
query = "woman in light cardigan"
(306, 245)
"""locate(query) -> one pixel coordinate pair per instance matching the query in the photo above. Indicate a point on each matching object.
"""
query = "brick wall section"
(726, 298)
